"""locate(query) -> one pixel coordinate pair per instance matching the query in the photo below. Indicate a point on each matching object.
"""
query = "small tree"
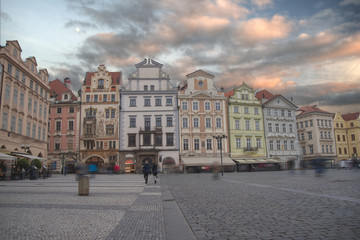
(22, 164)
(36, 162)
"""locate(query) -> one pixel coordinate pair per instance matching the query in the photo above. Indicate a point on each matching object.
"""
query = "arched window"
(101, 83)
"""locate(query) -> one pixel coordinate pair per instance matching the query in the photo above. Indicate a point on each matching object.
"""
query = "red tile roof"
(230, 93)
(58, 88)
(310, 109)
(115, 76)
(350, 116)
(263, 94)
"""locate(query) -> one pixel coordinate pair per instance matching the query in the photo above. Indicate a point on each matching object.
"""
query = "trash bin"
(84, 185)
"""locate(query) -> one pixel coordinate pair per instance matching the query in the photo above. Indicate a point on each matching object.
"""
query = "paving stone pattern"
(270, 205)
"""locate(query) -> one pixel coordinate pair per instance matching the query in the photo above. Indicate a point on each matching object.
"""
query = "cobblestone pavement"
(260, 205)
(270, 205)
(118, 207)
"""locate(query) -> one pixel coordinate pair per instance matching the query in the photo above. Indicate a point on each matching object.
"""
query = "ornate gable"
(199, 73)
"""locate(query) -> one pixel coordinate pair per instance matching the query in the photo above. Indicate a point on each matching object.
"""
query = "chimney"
(67, 83)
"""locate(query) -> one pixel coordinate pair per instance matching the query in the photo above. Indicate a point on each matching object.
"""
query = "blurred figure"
(319, 167)
(216, 170)
(154, 171)
(146, 171)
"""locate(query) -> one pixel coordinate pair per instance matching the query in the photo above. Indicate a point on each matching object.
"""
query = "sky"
(307, 50)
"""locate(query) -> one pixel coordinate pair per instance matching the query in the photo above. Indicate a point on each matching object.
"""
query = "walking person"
(146, 171)
(154, 171)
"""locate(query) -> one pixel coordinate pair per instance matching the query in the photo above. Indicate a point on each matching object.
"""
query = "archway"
(94, 163)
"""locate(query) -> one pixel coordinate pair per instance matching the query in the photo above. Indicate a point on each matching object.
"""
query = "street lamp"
(220, 138)
(25, 147)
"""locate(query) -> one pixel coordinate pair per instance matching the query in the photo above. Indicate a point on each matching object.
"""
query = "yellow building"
(347, 135)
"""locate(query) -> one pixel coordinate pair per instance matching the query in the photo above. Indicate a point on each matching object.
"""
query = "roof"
(263, 94)
(115, 76)
(350, 116)
(200, 72)
(311, 109)
(57, 88)
(230, 93)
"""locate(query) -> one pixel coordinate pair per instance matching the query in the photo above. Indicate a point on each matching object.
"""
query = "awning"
(256, 160)
(31, 157)
(7, 157)
(206, 161)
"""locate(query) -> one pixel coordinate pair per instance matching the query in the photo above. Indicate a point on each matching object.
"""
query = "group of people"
(147, 169)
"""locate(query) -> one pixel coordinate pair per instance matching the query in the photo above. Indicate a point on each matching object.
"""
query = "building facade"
(149, 119)
(347, 135)
(64, 123)
(316, 135)
(24, 106)
(203, 116)
(280, 128)
(246, 128)
(99, 130)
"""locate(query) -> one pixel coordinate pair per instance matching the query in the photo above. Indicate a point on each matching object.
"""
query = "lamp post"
(25, 147)
(220, 138)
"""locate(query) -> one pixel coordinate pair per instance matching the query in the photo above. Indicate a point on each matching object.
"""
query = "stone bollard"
(84, 186)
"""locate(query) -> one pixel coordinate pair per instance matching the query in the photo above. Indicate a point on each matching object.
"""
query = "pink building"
(63, 144)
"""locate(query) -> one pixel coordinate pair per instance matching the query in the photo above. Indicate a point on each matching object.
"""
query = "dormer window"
(200, 83)
(66, 97)
(15, 53)
(101, 83)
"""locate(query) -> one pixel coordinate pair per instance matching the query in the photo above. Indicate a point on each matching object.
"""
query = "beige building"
(347, 135)
(24, 105)
(202, 117)
(99, 118)
(316, 135)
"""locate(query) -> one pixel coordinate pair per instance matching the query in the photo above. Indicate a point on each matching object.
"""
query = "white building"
(148, 119)
(280, 128)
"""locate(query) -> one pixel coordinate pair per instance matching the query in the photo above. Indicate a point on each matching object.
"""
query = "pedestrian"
(146, 171)
(154, 171)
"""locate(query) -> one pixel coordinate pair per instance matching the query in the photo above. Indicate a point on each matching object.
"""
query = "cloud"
(261, 29)
(350, 2)
(78, 23)
(262, 3)
(5, 17)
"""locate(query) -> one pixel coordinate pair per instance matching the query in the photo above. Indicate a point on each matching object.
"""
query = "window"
(96, 98)
(23, 79)
(101, 83)
(306, 123)
(208, 122)
(169, 101)
(21, 99)
(105, 98)
(113, 97)
(57, 146)
(169, 139)
(302, 136)
(236, 109)
(112, 113)
(290, 128)
(284, 127)
(330, 148)
(217, 106)
(41, 91)
(292, 145)
(277, 127)
(340, 151)
(311, 149)
(338, 138)
(258, 142)
(58, 110)
(29, 105)
(45, 111)
(321, 135)
(196, 144)
(132, 140)
(302, 125)
(184, 105)
(218, 122)
(7, 91)
(345, 151)
(158, 102)
(275, 112)
(238, 142)
(247, 124)
(36, 88)
(270, 127)
(87, 98)
(196, 122)
(107, 113)
(351, 124)
(34, 131)
(15, 96)
(43, 134)
(146, 102)
(343, 138)
(278, 145)
(132, 102)
(15, 53)
(66, 96)
(132, 122)
(208, 144)
(285, 145)
(152, 87)
(147, 123)
(289, 113)
(145, 87)
(185, 122)
(248, 143)
(268, 112)
(207, 106)
(185, 144)
(158, 139)
(283, 113)
(58, 126)
(195, 106)
(71, 125)
(35, 107)
(28, 129)
(271, 143)
(354, 150)
(158, 121)
(13, 124)
(327, 148)
(353, 137)
(237, 124)
(246, 110)
(310, 135)
(9, 68)
(169, 121)
(20, 123)
(39, 133)
(219, 143)
(325, 134)
(256, 111)
(257, 125)
(31, 84)
(304, 150)
(40, 110)
(147, 139)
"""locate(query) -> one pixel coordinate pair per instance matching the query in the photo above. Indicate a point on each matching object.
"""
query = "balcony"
(89, 136)
(150, 130)
(250, 149)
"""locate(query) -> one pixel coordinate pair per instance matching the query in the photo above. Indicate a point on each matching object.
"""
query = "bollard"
(84, 186)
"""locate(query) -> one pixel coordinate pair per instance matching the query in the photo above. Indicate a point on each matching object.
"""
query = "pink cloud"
(204, 23)
(261, 29)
